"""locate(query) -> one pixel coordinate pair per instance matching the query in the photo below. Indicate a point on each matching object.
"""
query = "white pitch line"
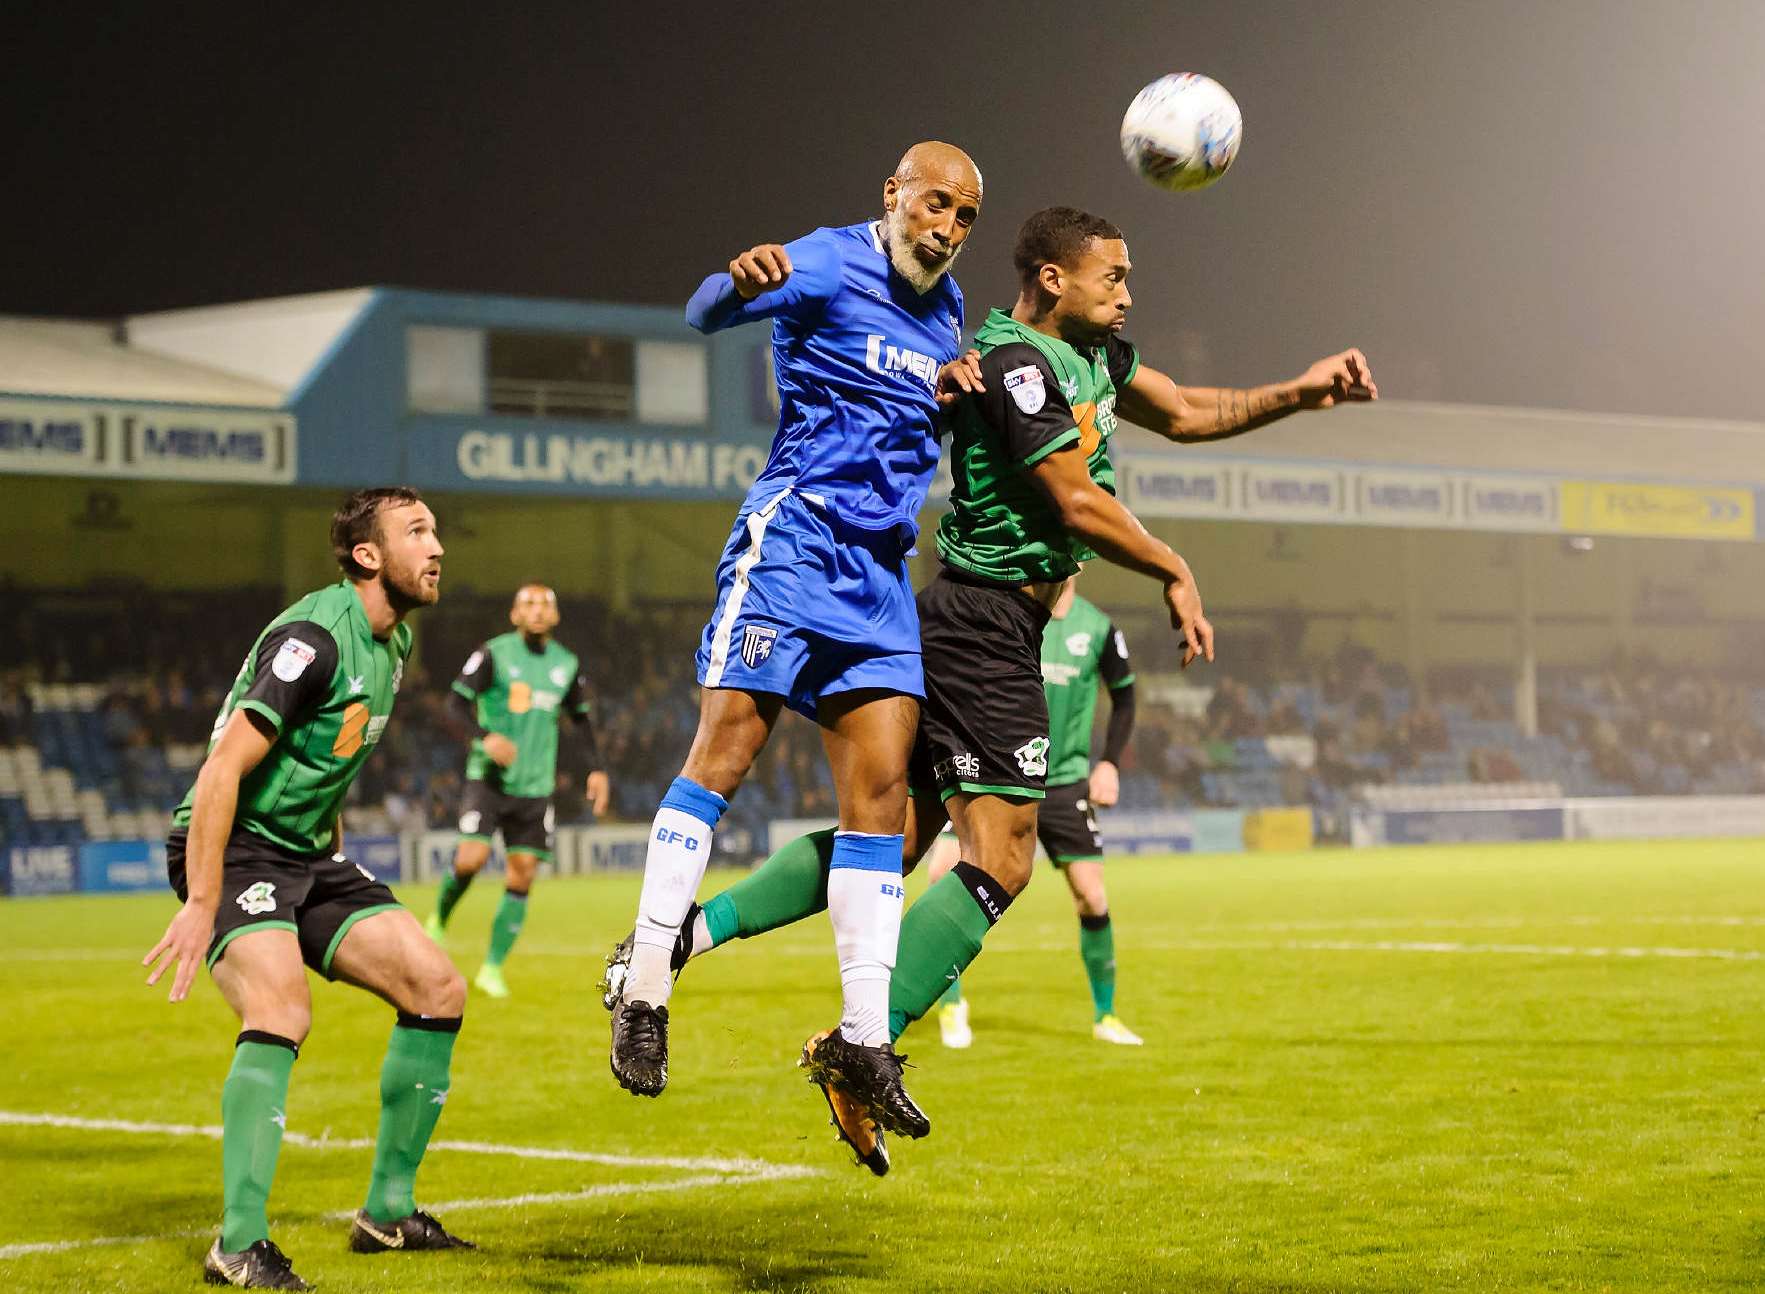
(211, 1131)
(722, 1172)
(602, 1191)
(63, 1246)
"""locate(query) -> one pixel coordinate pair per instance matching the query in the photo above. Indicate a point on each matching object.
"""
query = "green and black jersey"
(1078, 649)
(518, 692)
(325, 683)
(1042, 395)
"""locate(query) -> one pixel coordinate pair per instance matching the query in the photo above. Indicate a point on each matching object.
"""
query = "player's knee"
(286, 1014)
(1014, 873)
(521, 871)
(439, 990)
(470, 859)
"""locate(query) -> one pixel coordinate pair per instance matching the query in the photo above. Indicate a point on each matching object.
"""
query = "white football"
(1182, 131)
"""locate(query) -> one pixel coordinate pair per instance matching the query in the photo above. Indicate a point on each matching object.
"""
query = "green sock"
(413, 1088)
(790, 885)
(510, 913)
(1097, 949)
(940, 935)
(254, 1102)
(953, 994)
(453, 889)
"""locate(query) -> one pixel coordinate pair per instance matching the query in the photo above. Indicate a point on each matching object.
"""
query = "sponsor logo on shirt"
(883, 356)
(292, 658)
(352, 731)
(1027, 389)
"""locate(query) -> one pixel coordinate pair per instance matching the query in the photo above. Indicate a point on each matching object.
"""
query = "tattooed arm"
(1191, 413)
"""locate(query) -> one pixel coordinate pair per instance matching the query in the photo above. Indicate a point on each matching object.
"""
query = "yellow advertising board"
(1675, 511)
(1278, 829)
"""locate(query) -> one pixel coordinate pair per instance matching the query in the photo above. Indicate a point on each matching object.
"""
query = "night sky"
(1506, 203)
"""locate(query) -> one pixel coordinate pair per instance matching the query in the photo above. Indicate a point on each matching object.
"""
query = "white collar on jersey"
(876, 237)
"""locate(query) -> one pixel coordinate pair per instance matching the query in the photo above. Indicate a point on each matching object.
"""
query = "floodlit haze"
(1505, 203)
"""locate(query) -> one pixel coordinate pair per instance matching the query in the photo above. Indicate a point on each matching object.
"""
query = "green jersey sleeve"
(1122, 359)
(477, 674)
(1113, 663)
(292, 673)
(576, 698)
(1024, 403)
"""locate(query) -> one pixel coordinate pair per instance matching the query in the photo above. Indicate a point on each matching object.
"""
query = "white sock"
(680, 848)
(864, 901)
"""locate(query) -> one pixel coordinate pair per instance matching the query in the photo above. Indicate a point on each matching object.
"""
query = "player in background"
(256, 854)
(814, 607)
(1081, 651)
(511, 692)
(1033, 498)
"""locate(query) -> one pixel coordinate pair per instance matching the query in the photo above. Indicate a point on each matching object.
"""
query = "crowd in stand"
(165, 662)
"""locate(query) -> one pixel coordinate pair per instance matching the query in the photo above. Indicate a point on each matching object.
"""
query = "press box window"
(562, 375)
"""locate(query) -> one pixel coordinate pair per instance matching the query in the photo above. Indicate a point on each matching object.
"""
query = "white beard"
(907, 263)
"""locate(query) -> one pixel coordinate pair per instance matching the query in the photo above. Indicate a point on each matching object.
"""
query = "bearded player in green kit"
(1081, 650)
(511, 691)
(256, 855)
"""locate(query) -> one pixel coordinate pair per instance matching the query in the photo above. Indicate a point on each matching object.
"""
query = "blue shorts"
(805, 610)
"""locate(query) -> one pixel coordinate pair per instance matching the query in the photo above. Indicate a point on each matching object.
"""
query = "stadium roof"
(91, 360)
(266, 353)
(1484, 438)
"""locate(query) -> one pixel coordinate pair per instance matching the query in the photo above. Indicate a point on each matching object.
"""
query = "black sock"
(988, 895)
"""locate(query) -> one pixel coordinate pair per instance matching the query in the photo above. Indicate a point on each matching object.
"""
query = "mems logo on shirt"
(881, 356)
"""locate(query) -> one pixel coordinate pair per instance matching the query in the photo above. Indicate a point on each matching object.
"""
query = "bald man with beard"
(814, 608)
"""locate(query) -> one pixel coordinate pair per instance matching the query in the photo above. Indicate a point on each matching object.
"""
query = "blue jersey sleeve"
(815, 277)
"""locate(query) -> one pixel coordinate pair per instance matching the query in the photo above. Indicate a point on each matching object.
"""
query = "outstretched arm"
(1100, 519)
(767, 281)
(1194, 413)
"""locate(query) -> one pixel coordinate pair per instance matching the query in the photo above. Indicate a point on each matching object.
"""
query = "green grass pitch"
(1514, 1068)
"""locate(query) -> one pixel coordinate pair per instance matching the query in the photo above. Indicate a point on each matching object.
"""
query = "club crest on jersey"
(757, 643)
(1028, 391)
(292, 658)
(560, 676)
(1078, 644)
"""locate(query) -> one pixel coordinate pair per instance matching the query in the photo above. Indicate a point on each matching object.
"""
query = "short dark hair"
(357, 521)
(1056, 236)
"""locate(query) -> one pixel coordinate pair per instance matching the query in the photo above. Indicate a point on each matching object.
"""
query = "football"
(1182, 131)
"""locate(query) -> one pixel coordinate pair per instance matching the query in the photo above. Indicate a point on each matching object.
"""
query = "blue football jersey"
(856, 352)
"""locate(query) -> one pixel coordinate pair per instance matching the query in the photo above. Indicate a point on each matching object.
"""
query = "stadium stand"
(107, 696)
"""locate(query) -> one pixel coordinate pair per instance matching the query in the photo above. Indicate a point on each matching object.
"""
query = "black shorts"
(984, 727)
(266, 887)
(524, 820)
(1067, 825)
